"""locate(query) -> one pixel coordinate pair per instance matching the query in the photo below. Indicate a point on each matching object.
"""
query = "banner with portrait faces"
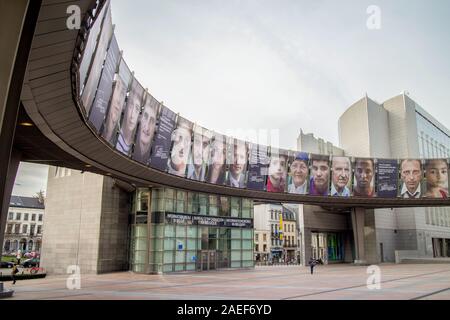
(387, 178)
(93, 76)
(181, 147)
(146, 129)
(217, 160)
(436, 178)
(341, 177)
(90, 45)
(104, 90)
(111, 124)
(319, 179)
(161, 145)
(277, 171)
(237, 163)
(298, 172)
(130, 118)
(258, 164)
(199, 156)
(410, 181)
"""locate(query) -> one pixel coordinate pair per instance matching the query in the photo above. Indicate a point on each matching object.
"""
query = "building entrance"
(329, 247)
(208, 260)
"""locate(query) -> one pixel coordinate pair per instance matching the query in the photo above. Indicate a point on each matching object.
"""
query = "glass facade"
(189, 231)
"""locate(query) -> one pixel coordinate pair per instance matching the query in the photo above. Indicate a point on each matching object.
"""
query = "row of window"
(26, 216)
(170, 200)
(438, 216)
(16, 228)
(287, 228)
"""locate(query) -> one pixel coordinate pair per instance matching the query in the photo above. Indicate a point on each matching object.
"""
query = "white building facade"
(24, 225)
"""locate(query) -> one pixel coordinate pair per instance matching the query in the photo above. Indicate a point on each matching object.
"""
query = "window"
(256, 237)
(33, 217)
(11, 216)
(25, 216)
(24, 228)
(16, 228)
(9, 228)
(265, 247)
(264, 237)
(18, 216)
(40, 217)
(32, 229)
(256, 247)
(39, 230)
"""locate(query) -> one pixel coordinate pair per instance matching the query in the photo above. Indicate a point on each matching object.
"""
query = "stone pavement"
(342, 281)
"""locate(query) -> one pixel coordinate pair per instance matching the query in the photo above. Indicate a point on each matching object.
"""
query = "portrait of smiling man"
(130, 119)
(146, 131)
(341, 172)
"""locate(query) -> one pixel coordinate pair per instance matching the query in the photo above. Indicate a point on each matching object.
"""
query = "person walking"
(14, 271)
(312, 263)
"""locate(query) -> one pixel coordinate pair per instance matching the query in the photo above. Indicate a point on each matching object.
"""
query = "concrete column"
(358, 234)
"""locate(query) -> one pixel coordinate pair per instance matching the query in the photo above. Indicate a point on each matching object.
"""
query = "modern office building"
(24, 226)
(101, 225)
(399, 128)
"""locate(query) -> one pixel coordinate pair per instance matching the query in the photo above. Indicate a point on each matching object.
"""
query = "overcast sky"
(285, 65)
(30, 179)
(282, 65)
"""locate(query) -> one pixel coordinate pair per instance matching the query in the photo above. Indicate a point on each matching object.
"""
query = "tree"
(40, 196)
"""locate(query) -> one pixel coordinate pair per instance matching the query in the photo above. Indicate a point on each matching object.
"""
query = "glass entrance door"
(208, 260)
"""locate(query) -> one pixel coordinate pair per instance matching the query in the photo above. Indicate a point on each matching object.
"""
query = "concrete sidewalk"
(348, 282)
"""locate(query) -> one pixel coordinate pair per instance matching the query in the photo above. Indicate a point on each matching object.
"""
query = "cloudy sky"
(281, 65)
(30, 179)
(285, 65)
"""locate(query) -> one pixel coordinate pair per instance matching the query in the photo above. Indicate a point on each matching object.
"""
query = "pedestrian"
(312, 263)
(14, 271)
(19, 256)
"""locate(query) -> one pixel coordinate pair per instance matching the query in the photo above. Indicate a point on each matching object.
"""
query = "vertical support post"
(358, 234)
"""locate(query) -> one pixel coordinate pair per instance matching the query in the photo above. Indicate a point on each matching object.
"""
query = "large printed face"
(200, 149)
(320, 171)
(364, 173)
(437, 174)
(117, 103)
(218, 152)
(132, 113)
(181, 138)
(411, 174)
(299, 171)
(277, 167)
(239, 160)
(341, 172)
(147, 128)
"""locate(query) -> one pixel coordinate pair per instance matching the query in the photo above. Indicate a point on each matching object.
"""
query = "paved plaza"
(343, 281)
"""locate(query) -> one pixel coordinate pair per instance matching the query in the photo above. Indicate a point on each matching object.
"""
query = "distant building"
(399, 128)
(24, 225)
(275, 233)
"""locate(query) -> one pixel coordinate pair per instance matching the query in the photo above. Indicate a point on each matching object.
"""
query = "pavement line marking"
(358, 286)
(430, 294)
